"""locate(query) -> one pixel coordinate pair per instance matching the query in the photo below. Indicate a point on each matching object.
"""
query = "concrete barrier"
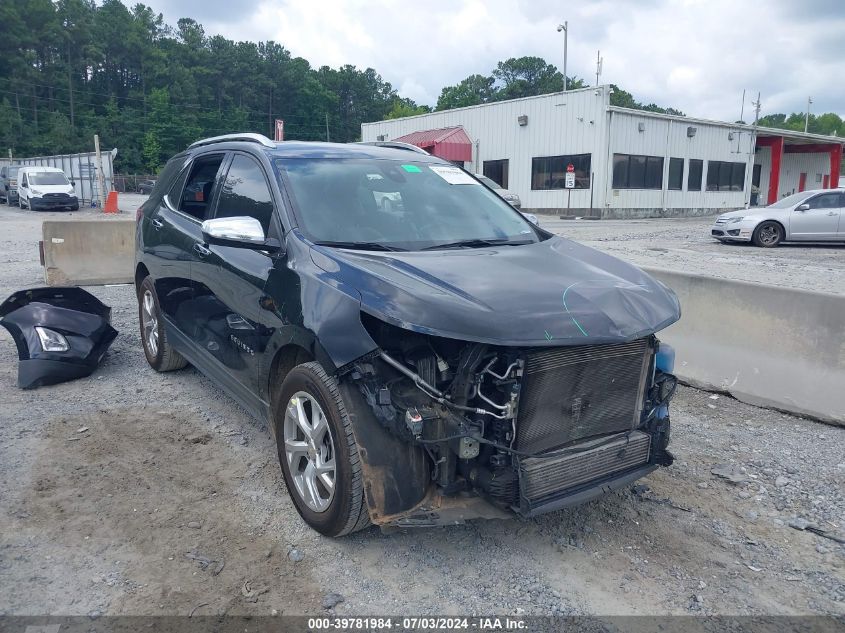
(88, 252)
(765, 345)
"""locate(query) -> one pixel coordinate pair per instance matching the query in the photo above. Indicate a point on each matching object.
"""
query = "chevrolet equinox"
(439, 360)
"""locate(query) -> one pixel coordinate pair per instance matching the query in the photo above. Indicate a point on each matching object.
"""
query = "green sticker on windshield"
(411, 169)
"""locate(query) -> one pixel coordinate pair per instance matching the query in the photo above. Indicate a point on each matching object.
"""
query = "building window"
(637, 172)
(676, 174)
(725, 176)
(696, 169)
(497, 171)
(549, 172)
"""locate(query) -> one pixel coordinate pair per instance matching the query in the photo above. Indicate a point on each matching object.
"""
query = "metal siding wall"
(558, 124)
(794, 164)
(668, 138)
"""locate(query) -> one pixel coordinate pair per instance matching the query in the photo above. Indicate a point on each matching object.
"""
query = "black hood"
(555, 292)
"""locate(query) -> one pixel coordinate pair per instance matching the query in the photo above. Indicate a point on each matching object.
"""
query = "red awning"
(451, 143)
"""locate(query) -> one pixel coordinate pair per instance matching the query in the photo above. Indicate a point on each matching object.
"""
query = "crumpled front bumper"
(82, 319)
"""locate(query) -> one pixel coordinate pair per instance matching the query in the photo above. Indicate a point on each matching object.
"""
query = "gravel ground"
(131, 492)
(685, 244)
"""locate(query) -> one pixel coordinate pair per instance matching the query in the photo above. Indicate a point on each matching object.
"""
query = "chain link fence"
(134, 183)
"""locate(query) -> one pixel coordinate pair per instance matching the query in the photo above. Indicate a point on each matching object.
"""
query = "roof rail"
(248, 137)
(395, 145)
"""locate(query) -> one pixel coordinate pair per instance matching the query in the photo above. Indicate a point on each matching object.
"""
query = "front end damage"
(61, 333)
(451, 430)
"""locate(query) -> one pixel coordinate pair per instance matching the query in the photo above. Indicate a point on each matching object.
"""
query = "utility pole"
(565, 28)
(807, 116)
(101, 181)
(327, 127)
(599, 61)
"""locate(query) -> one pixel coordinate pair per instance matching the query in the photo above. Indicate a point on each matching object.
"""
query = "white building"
(627, 163)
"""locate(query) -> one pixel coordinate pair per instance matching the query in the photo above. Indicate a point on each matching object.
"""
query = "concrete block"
(765, 345)
(88, 252)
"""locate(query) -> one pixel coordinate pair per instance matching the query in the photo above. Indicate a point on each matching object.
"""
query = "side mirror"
(803, 207)
(72, 183)
(238, 232)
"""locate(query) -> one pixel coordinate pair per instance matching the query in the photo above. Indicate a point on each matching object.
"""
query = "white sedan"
(809, 216)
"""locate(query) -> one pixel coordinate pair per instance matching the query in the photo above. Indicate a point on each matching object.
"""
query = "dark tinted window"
(725, 176)
(497, 171)
(826, 201)
(196, 195)
(637, 172)
(549, 172)
(245, 192)
(676, 173)
(696, 169)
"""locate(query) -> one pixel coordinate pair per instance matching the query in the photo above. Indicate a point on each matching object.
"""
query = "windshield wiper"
(478, 243)
(364, 246)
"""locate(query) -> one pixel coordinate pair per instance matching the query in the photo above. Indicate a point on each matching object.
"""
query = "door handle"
(833, 213)
(157, 224)
(201, 250)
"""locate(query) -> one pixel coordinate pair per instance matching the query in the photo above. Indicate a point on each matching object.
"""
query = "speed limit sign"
(569, 182)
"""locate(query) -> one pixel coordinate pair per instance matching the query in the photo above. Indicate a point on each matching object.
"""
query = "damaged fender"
(61, 333)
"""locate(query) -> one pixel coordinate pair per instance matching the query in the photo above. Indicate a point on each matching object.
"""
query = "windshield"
(490, 183)
(790, 201)
(399, 205)
(47, 178)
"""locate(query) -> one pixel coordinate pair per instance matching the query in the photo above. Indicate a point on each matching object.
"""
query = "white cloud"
(694, 55)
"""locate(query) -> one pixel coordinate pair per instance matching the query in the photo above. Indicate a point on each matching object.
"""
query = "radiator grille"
(544, 477)
(572, 393)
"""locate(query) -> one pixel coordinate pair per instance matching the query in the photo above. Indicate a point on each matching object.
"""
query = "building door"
(825, 181)
(755, 175)
(497, 171)
(802, 181)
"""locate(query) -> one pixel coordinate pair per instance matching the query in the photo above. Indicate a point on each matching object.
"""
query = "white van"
(42, 188)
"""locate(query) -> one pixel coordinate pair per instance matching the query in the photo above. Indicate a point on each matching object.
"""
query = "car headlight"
(735, 220)
(51, 341)
(35, 192)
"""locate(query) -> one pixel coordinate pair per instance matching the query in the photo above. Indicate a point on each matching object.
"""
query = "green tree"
(151, 152)
(471, 91)
(405, 107)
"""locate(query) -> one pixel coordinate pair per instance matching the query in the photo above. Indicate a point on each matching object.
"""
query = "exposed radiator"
(541, 478)
(572, 393)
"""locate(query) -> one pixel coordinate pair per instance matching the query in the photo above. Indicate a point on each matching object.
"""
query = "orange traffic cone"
(111, 203)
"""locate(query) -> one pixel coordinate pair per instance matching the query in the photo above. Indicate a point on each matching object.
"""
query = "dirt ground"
(136, 493)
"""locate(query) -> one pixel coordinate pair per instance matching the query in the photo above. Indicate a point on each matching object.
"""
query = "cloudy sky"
(695, 55)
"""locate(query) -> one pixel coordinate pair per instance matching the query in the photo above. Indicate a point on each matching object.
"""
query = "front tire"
(318, 453)
(159, 353)
(768, 234)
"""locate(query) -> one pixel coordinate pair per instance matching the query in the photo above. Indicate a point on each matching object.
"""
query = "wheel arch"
(141, 273)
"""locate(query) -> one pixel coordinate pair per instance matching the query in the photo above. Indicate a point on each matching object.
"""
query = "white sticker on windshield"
(453, 175)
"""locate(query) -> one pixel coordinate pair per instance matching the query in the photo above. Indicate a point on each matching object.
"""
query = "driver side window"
(826, 201)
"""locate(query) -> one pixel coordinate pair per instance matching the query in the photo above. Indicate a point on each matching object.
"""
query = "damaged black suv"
(422, 362)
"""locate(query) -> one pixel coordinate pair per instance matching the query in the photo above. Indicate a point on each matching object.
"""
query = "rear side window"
(245, 192)
(196, 195)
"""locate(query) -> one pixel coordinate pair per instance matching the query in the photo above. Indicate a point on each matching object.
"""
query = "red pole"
(774, 175)
(835, 164)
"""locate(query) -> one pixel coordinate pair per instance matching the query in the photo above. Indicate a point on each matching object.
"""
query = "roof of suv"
(318, 149)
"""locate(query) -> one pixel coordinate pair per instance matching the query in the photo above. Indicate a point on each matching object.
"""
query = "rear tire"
(157, 349)
(767, 234)
(318, 453)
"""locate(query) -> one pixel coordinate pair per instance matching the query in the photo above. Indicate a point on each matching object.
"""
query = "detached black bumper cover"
(81, 318)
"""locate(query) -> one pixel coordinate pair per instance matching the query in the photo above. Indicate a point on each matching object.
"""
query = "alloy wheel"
(309, 450)
(149, 321)
(769, 234)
